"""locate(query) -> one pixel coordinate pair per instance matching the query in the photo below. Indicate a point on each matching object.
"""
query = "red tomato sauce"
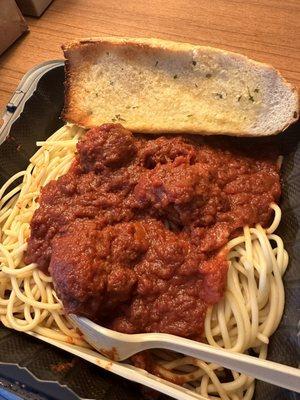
(133, 235)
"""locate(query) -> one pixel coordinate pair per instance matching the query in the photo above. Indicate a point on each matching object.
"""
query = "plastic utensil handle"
(268, 371)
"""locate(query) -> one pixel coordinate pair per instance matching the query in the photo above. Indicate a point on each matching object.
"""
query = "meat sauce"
(133, 235)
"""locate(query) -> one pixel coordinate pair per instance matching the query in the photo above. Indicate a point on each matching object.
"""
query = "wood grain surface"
(266, 30)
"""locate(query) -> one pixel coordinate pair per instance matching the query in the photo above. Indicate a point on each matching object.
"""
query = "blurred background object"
(12, 24)
(34, 8)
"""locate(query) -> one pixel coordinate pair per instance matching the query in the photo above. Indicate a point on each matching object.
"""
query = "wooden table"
(266, 30)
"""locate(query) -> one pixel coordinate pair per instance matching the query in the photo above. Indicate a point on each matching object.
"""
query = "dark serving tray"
(32, 369)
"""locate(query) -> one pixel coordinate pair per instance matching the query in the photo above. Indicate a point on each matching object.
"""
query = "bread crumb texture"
(158, 86)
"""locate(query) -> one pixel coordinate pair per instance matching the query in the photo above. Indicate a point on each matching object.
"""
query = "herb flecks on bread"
(158, 86)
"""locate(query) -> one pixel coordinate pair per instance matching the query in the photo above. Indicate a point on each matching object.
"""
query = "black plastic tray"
(33, 114)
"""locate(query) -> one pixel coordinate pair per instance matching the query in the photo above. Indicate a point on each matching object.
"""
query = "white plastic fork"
(120, 346)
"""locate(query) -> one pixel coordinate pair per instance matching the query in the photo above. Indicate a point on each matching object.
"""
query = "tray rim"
(23, 92)
(27, 377)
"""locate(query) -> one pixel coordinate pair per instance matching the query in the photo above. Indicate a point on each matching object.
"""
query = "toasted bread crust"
(87, 52)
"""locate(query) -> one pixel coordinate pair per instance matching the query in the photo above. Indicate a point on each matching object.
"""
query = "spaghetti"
(245, 319)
